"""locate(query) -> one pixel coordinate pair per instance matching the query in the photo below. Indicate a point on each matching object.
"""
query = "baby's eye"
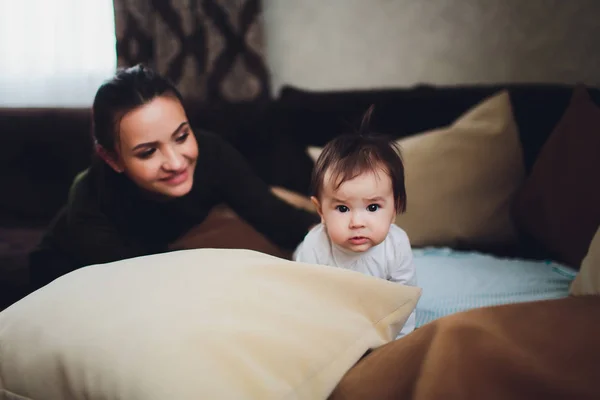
(373, 207)
(342, 209)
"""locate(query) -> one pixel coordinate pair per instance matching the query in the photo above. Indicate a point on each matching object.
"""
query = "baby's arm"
(306, 254)
(403, 271)
(312, 249)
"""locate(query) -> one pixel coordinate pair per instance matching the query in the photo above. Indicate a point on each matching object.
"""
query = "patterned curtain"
(211, 49)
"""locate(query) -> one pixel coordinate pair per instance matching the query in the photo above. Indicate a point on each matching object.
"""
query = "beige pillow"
(587, 281)
(461, 179)
(196, 324)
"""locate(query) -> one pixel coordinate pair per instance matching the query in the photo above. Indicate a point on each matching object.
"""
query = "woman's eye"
(373, 207)
(342, 209)
(182, 138)
(146, 154)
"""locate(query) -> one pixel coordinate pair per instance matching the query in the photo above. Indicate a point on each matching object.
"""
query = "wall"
(336, 44)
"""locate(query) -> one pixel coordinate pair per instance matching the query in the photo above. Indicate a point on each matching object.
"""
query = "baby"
(358, 187)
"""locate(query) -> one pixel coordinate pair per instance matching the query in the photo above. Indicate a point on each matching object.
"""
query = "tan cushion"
(587, 281)
(224, 229)
(294, 198)
(196, 324)
(559, 205)
(461, 179)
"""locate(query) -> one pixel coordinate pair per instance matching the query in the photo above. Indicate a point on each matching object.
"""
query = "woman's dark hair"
(350, 155)
(129, 89)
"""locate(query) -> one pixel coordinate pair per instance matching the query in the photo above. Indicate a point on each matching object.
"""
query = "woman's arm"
(96, 240)
(70, 244)
(88, 233)
(252, 199)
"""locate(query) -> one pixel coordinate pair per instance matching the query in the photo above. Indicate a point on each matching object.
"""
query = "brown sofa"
(545, 349)
(43, 149)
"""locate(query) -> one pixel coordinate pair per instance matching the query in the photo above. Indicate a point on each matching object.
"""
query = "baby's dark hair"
(350, 155)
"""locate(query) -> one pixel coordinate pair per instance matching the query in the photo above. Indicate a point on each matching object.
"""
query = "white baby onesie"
(392, 259)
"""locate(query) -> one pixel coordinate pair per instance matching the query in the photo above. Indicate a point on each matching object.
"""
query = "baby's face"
(359, 213)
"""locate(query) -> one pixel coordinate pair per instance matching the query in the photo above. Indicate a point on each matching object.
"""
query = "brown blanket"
(537, 350)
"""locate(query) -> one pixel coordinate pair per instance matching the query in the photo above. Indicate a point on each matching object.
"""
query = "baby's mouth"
(358, 239)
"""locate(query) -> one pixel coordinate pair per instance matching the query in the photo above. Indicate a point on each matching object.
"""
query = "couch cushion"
(196, 324)
(455, 281)
(559, 204)
(587, 281)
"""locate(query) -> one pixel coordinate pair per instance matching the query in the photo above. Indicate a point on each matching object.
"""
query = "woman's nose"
(173, 160)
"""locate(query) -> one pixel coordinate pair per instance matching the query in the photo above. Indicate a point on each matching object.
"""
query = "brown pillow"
(559, 205)
(224, 229)
(516, 351)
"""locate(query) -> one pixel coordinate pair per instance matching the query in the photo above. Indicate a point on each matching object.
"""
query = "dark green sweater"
(108, 218)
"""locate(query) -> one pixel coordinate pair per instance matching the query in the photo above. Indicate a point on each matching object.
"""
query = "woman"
(153, 180)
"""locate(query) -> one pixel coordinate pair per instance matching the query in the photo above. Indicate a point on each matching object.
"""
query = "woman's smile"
(176, 178)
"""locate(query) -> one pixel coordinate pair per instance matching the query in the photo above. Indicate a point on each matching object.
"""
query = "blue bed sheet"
(454, 281)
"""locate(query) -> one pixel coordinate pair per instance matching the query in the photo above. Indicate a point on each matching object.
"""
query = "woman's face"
(157, 149)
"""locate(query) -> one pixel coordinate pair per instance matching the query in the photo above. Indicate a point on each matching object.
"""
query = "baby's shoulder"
(398, 236)
(397, 242)
(316, 236)
(315, 247)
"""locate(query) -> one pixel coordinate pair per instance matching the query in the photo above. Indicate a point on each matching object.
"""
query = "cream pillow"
(587, 281)
(461, 179)
(196, 324)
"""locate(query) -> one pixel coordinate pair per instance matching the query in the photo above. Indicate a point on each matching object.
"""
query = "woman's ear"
(109, 158)
(317, 205)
